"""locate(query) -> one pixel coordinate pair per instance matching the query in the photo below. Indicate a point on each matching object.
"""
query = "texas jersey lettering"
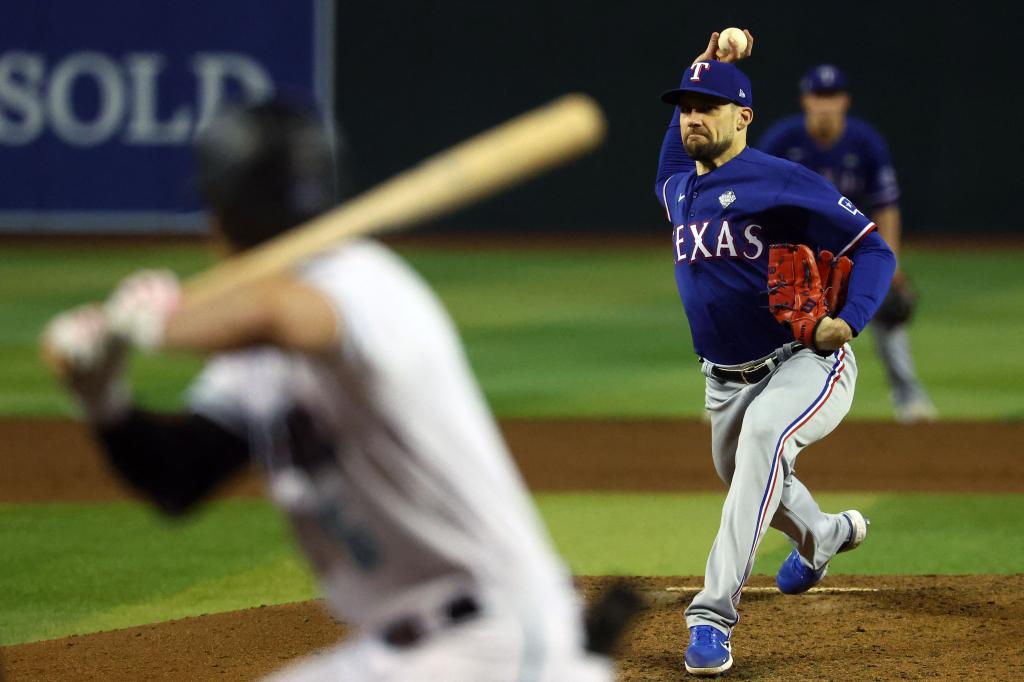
(720, 243)
(722, 225)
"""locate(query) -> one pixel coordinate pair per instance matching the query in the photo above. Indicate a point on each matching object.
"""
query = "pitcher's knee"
(761, 424)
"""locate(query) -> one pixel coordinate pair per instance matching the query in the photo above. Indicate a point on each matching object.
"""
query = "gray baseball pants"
(757, 431)
(893, 347)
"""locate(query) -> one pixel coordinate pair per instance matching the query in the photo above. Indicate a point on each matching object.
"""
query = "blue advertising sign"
(100, 101)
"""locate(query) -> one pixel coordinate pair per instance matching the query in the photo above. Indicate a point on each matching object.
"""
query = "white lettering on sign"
(36, 98)
(21, 75)
(75, 70)
(143, 126)
(215, 70)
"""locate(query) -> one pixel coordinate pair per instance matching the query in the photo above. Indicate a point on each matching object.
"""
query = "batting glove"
(141, 305)
(80, 349)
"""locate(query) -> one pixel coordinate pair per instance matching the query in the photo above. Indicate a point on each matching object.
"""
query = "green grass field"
(582, 333)
(74, 568)
(564, 332)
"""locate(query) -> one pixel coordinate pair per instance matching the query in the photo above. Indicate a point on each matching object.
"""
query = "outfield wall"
(99, 102)
(415, 77)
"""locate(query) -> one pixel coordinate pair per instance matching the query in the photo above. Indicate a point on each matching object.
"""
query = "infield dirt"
(48, 460)
(925, 627)
(935, 628)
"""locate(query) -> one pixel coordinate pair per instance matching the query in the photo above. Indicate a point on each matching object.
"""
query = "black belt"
(406, 632)
(752, 372)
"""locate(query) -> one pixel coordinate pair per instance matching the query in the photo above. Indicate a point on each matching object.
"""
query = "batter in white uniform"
(347, 382)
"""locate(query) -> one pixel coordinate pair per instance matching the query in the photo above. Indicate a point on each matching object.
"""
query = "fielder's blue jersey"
(723, 223)
(858, 164)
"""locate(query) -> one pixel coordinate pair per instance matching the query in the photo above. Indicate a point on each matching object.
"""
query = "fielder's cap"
(823, 78)
(720, 79)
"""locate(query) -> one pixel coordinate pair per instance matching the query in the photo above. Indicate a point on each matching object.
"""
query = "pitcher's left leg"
(817, 536)
(804, 400)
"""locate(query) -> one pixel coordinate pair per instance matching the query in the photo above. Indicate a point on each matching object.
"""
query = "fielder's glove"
(139, 308)
(80, 349)
(898, 306)
(803, 290)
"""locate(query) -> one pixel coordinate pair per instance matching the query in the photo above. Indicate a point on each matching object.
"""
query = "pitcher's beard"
(700, 149)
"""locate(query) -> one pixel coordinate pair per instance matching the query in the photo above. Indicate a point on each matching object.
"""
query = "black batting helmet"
(263, 169)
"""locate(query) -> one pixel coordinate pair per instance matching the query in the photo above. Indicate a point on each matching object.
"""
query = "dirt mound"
(877, 628)
(871, 628)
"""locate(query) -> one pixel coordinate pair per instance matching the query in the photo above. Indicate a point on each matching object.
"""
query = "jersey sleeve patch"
(833, 222)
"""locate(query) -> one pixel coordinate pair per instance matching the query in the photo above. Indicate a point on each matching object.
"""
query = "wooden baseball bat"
(482, 165)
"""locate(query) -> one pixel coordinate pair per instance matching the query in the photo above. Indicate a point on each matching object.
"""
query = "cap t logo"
(697, 68)
(743, 95)
(827, 75)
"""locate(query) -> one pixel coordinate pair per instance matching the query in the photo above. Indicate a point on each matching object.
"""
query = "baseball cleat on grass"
(917, 411)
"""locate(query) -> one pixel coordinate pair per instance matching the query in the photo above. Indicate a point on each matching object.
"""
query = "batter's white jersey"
(408, 495)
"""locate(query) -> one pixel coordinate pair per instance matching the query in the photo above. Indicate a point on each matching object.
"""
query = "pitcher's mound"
(854, 628)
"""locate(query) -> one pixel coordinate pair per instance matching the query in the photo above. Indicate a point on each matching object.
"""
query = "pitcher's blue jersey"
(723, 223)
(858, 164)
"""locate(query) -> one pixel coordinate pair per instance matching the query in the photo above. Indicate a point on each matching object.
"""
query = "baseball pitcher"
(346, 382)
(777, 271)
(853, 156)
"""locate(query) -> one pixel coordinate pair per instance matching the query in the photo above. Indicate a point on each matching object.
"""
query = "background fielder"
(346, 381)
(767, 397)
(853, 156)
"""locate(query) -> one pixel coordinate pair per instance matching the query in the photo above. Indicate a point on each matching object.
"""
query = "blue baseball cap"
(720, 79)
(823, 78)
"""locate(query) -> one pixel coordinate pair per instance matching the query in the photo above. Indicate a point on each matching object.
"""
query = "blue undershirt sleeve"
(873, 267)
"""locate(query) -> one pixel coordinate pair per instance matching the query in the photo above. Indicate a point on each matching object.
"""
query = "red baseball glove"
(835, 278)
(802, 290)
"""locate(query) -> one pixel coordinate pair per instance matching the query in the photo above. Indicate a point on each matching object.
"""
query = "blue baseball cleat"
(709, 652)
(796, 577)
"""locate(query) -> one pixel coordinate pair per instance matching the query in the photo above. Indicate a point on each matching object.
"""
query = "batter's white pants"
(489, 648)
(757, 431)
